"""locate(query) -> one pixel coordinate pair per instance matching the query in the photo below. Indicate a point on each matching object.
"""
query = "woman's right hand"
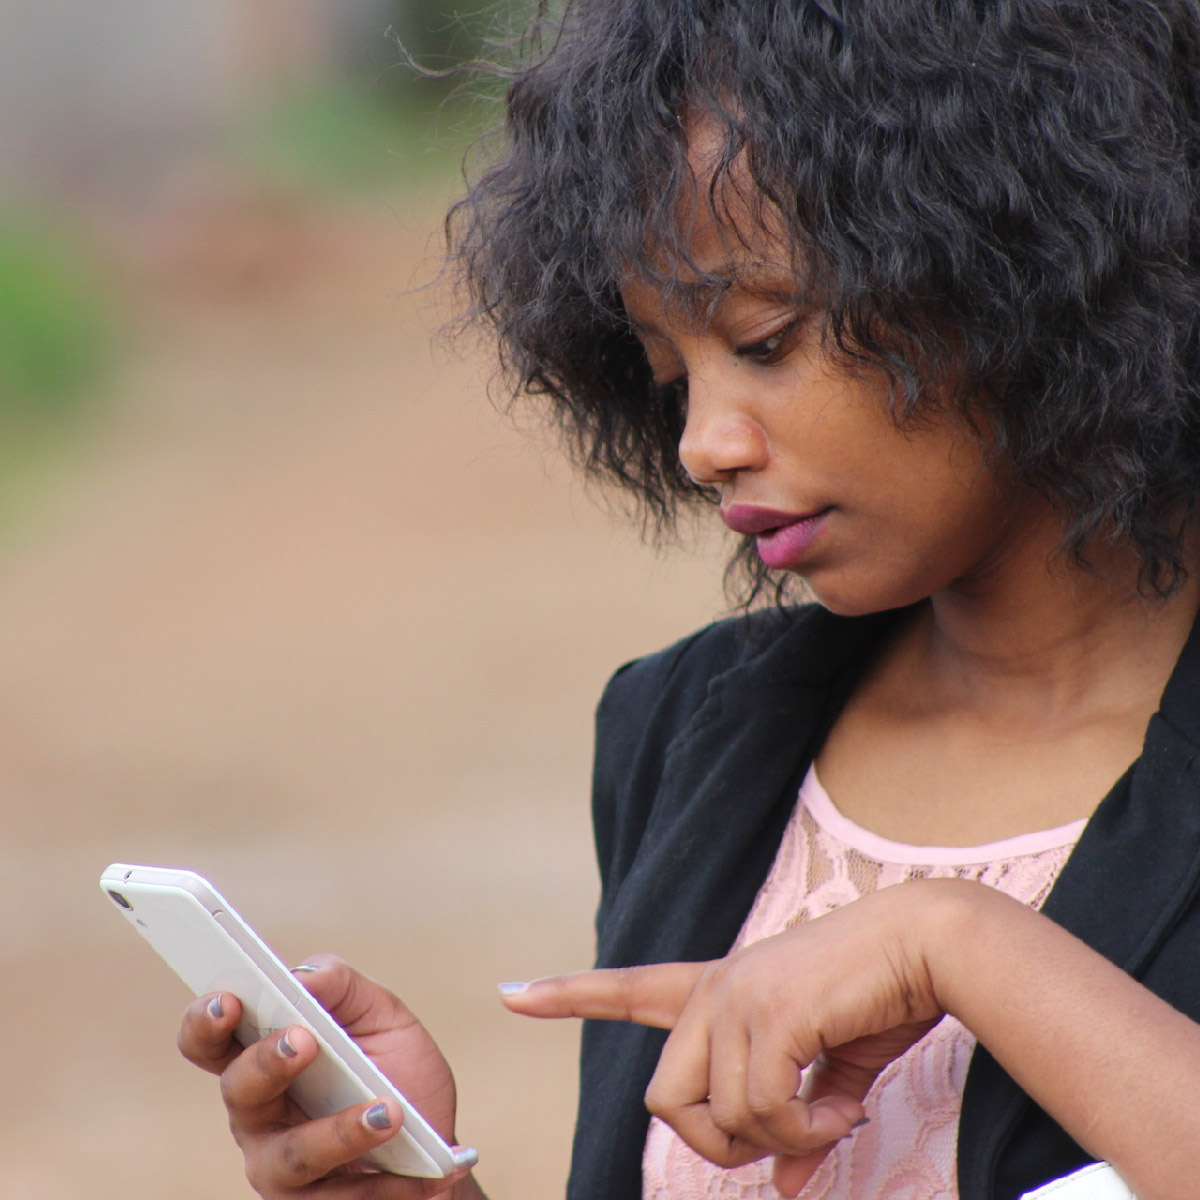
(286, 1153)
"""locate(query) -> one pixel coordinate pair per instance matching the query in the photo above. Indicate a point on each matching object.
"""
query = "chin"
(861, 598)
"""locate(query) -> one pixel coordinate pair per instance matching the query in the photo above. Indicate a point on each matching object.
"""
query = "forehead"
(724, 234)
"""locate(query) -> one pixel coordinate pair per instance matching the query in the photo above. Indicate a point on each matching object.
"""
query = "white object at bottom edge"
(1097, 1182)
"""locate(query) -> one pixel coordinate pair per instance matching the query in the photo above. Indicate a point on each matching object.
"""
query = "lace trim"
(816, 799)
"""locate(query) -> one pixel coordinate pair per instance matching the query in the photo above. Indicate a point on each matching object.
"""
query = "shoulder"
(656, 705)
(770, 670)
(652, 706)
(674, 682)
(805, 644)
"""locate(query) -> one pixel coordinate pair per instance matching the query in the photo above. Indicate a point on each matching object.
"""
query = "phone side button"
(281, 979)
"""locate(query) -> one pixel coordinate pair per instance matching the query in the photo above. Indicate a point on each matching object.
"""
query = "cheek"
(950, 514)
(884, 579)
(915, 534)
(940, 482)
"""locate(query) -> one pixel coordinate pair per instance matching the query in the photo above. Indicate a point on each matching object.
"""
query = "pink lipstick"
(782, 538)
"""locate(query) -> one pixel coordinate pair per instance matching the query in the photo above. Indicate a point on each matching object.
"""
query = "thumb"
(791, 1172)
(653, 995)
(360, 1005)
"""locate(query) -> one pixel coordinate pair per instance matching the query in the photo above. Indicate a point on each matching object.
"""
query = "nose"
(720, 437)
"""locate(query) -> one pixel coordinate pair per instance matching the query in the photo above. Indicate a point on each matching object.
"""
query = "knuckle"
(349, 1135)
(243, 1080)
(294, 1166)
(625, 980)
(718, 1147)
(258, 1174)
(741, 1153)
(657, 1101)
(229, 1095)
(761, 1106)
(743, 986)
(240, 1137)
(711, 979)
(190, 1038)
(728, 1119)
(266, 1183)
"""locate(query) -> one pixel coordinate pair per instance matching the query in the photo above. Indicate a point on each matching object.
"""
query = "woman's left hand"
(846, 994)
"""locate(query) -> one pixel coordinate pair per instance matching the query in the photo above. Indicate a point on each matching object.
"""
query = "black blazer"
(700, 751)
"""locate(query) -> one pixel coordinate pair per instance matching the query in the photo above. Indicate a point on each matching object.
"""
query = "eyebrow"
(694, 297)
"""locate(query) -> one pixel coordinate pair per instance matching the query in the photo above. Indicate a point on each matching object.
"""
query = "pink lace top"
(907, 1152)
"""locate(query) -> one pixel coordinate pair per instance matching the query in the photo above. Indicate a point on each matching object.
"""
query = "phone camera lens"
(117, 898)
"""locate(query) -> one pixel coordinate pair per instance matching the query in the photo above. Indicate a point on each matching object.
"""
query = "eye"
(771, 349)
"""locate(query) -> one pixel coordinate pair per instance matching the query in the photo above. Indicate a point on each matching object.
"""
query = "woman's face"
(804, 452)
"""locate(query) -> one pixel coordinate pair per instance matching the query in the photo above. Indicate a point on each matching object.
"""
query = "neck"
(1047, 638)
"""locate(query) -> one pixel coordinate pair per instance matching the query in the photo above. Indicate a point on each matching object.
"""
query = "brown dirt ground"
(308, 616)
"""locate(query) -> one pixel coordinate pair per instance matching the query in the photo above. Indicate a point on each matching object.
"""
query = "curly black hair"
(1001, 193)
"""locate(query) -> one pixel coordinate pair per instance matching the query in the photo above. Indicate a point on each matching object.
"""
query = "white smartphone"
(212, 949)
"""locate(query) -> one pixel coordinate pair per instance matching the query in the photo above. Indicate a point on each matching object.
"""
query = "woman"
(907, 290)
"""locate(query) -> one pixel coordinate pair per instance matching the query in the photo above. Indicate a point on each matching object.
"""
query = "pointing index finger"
(652, 995)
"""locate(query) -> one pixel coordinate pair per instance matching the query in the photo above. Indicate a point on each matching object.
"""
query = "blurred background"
(282, 597)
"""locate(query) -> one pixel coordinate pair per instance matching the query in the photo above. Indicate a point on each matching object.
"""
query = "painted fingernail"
(376, 1117)
(215, 1008)
(464, 1156)
(861, 1122)
(512, 989)
(286, 1048)
(305, 967)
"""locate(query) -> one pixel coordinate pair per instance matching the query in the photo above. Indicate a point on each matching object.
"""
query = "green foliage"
(55, 331)
(341, 136)
(412, 97)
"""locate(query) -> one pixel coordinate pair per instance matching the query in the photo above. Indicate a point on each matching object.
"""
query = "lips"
(749, 518)
(781, 538)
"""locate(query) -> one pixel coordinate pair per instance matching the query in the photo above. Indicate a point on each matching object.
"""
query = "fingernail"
(286, 1048)
(464, 1156)
(305, 967)
(215, 1008)
(376, 1117)
(512, 989)
(861, 1122)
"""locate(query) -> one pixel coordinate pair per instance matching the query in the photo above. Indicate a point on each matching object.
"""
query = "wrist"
(960, 917)
(951, 914)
